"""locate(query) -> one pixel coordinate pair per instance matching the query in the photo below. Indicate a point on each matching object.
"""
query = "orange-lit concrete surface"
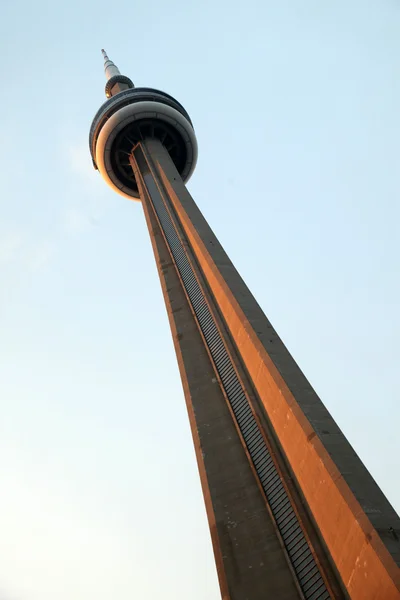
(355, 521)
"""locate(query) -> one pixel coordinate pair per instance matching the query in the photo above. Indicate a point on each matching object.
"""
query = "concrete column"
(355, 522)
(251, 561)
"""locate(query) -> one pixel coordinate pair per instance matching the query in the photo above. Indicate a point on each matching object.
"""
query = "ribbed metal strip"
(302, 559)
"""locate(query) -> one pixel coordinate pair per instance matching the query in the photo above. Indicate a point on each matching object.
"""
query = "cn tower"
(293, 512)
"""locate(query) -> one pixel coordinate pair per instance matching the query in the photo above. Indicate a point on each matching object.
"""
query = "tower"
(293, 512)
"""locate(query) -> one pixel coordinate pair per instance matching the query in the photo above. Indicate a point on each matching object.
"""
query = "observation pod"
(131, 115)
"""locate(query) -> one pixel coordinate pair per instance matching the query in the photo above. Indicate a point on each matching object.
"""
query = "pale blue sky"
(296, 109)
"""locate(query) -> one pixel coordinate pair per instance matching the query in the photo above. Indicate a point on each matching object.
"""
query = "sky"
(296, 111)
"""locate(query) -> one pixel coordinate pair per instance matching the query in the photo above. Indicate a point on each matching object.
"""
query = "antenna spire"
(110, 69)
(116, 82)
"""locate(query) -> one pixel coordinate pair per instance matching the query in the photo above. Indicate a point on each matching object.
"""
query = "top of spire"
(109, 67)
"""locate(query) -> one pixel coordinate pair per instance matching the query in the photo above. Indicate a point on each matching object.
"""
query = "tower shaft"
(293, 512)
